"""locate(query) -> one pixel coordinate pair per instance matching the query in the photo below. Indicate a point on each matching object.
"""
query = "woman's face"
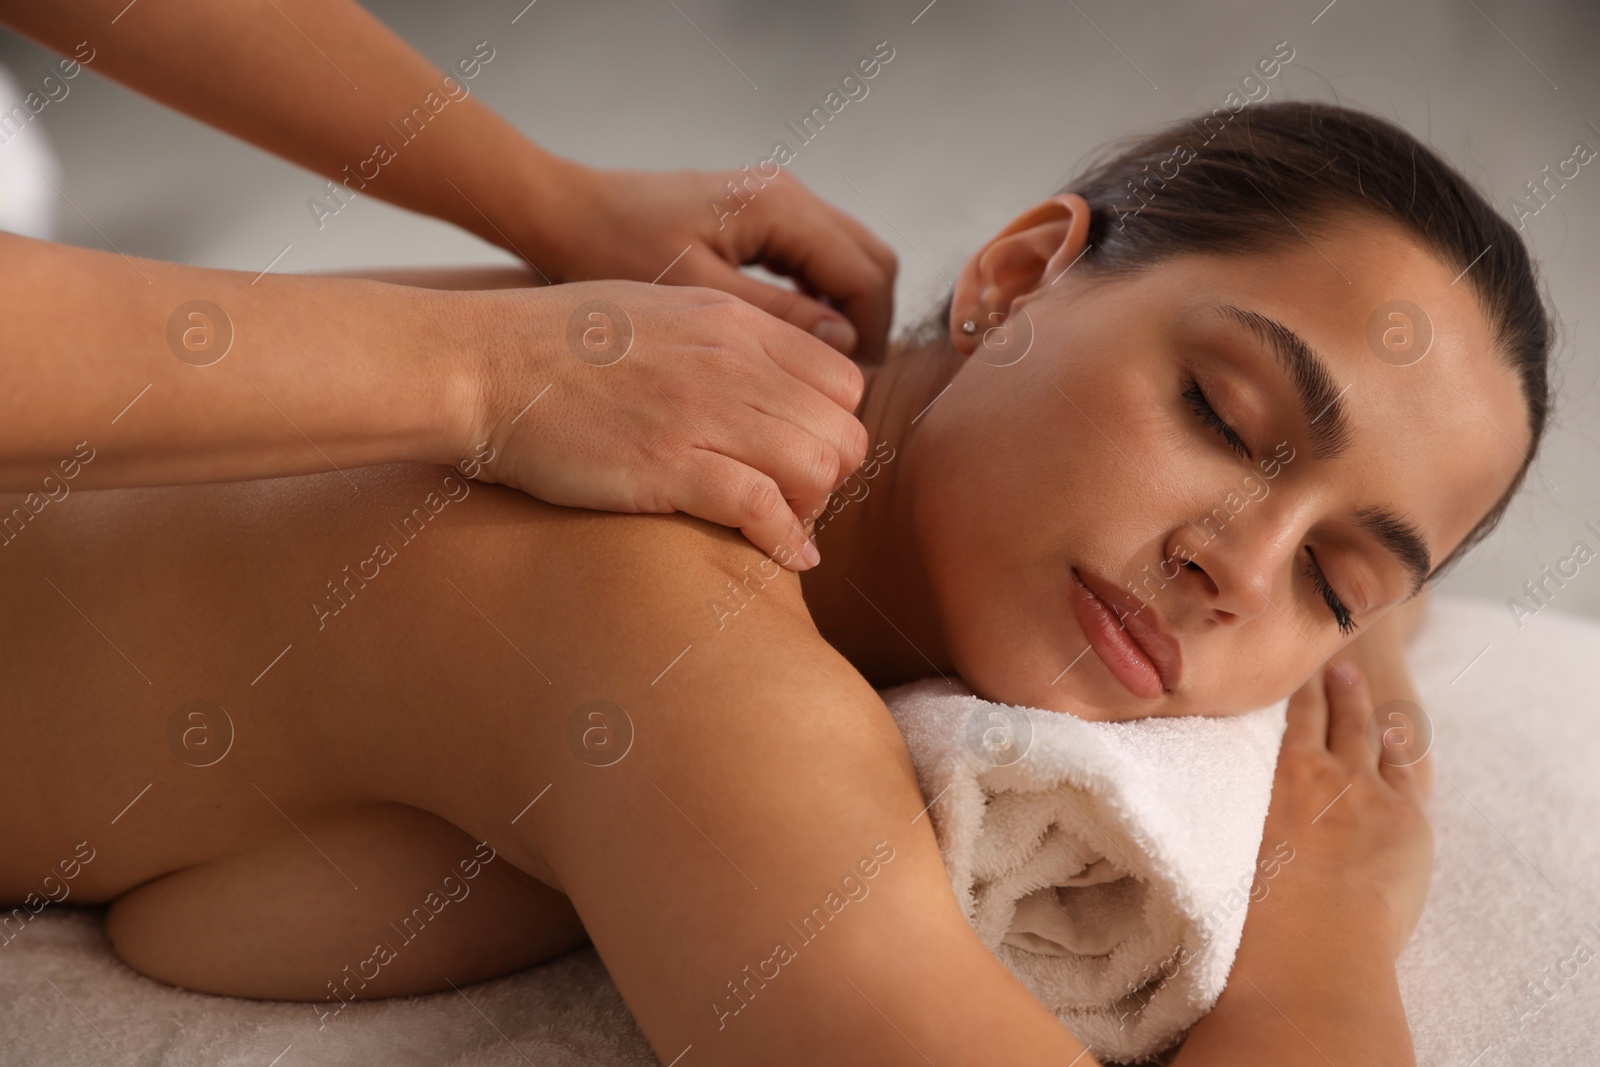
(1242, 497)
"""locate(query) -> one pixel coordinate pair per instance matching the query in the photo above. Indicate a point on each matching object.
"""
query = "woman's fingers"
(724, 491)
(1415, 780)
(1349, 714)
(1409, 766)
(1308, 715)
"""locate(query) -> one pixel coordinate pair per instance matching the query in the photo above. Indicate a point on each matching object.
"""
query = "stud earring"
(969, 327)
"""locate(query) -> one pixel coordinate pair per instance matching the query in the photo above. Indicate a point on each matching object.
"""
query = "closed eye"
(1201, 406)
(1319, 582)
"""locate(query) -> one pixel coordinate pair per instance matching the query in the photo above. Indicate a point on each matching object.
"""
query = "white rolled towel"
(1108, 865)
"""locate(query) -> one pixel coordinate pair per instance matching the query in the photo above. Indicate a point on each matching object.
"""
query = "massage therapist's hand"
(333, 375)
(643, 398)
(688, 228)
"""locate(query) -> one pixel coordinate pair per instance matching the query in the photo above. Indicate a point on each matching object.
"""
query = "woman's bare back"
(219, 689)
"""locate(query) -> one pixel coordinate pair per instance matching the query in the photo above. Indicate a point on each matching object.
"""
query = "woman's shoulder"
(636, 573)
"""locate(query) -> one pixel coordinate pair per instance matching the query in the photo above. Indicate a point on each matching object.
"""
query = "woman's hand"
(1379, 652)
(690, 228)
(1356, 823)
(623, 396)
(1346, 855)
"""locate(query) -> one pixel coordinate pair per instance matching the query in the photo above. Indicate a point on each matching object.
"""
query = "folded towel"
(1107, 864)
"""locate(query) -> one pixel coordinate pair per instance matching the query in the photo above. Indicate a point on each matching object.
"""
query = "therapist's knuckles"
(855, 446)
(699, 366)
(844, 382)
(820, 470)
(831, 329)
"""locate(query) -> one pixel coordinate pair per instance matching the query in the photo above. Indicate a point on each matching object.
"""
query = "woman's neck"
(870, 597)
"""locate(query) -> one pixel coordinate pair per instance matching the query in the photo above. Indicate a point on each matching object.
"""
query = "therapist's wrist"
(439, 338)
(524, 203)
(494, 182)
(498, 357)
(545, 227)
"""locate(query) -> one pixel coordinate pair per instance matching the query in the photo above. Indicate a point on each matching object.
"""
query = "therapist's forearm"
(320, 373)
(319, 82)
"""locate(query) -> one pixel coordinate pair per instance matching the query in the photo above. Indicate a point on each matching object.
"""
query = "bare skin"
(353, 760)
(439, 702)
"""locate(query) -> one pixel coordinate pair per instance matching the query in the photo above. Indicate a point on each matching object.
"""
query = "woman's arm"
(1313, 983)
(324, 84)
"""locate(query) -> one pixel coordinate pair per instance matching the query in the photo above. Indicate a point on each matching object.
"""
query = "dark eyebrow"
(1329, 431)
(1402, 540)
(1326, 417)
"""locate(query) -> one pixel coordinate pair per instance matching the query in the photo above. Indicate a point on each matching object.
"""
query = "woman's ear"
(1031, 253)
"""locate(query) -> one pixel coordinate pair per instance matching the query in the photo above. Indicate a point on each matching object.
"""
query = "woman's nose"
(1232, 569)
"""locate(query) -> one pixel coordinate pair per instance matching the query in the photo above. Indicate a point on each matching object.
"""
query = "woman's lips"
(1148, 665)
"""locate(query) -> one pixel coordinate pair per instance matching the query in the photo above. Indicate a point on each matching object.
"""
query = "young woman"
(281, 714)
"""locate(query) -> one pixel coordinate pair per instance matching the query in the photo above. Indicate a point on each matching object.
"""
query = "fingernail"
(809, 553)
(1348, 672)
(836, 333)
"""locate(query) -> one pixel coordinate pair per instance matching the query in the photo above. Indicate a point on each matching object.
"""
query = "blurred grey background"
(985, 108)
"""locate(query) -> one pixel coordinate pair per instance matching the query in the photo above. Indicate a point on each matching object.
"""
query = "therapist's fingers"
(797, 309)
(790, 231)
(825, 258)
(880, 253)
(829, 372)
(724, 491)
